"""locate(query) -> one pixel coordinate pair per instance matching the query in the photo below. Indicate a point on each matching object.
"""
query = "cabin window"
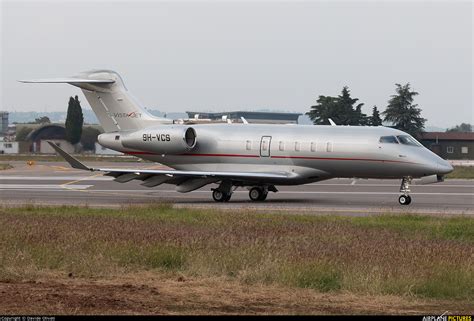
(388, 140)
(248, 145)
(464, 150)
(329, 147)
(313, 146)
(7, 145)
(281, 146)
(297, 146)
(117, 137)
(408, 140)
(450, 149)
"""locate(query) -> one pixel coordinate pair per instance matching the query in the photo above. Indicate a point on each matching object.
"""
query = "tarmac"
(55, 183)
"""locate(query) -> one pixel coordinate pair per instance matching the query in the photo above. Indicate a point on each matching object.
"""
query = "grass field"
(401, 256)
(466, 172)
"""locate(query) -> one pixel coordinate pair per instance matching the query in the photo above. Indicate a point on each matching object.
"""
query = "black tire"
(257, 194)
(218, 196)
(404, 199)
(227, 198)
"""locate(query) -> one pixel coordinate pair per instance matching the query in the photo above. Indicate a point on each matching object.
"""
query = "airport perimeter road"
(54, 183)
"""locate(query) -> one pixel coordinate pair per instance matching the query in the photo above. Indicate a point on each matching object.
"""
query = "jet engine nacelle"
(165, 139)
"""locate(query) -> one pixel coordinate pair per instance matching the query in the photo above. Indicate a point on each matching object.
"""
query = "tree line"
(400, 113)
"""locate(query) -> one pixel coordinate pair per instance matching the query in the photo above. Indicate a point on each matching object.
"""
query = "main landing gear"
(405, 198)
(220, 196)
(257, 193)
(223, 193)
(260, 193)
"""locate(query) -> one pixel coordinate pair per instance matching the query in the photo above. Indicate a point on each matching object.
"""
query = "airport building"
(3, 123)
(251, 116)
(9, 147)
(37, 141)
(450, 145)
(51, 132)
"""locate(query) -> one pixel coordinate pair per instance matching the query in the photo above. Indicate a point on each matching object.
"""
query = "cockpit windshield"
(408, 140)
(388, 140)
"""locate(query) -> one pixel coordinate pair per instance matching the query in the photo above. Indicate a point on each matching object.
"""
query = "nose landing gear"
(405, 198)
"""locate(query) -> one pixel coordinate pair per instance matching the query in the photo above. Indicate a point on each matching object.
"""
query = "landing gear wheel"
(257, 194)
(227, 198)
(219, 196)
(404, 199)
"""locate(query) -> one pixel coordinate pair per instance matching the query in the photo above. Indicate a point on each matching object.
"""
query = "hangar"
(51, 132)
(450, 145)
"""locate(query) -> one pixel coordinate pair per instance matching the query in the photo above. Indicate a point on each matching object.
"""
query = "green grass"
(453, 228)
(463, 172)
(412, 255)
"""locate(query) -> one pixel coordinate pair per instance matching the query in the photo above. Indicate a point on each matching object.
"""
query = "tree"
(89, 137)
(375, 119)
(42, 120)
(464, 128)
(402, 113)
(23, 133)
(74, 121)
(348, 114)
(323, 110)
(340, 109)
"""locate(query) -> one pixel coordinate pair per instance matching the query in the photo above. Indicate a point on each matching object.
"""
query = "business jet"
(241, 155)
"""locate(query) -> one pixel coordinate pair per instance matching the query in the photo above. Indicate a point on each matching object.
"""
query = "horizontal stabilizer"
(70, 159)
(68, 81)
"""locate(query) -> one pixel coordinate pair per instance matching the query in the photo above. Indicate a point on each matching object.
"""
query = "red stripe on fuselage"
(344, 159)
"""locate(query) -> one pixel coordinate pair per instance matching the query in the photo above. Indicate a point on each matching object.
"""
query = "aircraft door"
(265, 143)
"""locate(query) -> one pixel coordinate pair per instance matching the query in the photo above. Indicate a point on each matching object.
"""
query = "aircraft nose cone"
(444, 167)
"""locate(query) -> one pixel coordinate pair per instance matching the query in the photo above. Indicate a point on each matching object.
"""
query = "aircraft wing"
(68, 80)
(152, 177)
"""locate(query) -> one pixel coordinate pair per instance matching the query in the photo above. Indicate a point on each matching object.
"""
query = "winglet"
(70, 159)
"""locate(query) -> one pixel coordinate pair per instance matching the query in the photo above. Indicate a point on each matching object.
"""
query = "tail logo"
(133, 114)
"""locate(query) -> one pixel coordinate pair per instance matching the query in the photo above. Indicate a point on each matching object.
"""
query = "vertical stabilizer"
(114, 106)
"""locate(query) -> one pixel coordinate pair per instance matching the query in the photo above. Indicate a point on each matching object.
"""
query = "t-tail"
(114, 106)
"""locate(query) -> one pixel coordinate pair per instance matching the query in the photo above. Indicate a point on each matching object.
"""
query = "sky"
(246, 55)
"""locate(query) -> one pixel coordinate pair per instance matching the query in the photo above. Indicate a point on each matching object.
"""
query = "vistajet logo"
(133, 114)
